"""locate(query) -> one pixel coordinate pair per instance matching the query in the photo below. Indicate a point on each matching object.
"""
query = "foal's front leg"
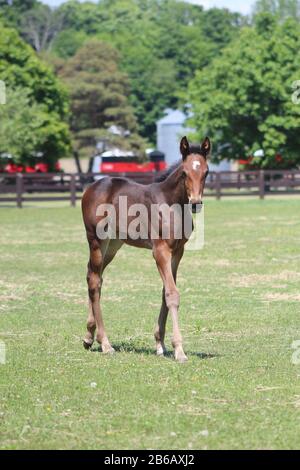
(160, 329)
(163, 257)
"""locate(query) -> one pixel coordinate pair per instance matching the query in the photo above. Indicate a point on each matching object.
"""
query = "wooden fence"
(21, 188)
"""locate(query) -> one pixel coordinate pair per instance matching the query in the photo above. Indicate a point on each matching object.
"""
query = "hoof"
(181, 358)
(87, 345)
(160, 352)
(108, 350)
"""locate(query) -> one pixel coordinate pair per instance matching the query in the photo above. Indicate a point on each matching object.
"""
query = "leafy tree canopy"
(40, 25)
(27, 129)
(282, 9)
(98, 91)
(67, 43)
(244, 99)
(161, 43)
(21, 69)
(11, 11)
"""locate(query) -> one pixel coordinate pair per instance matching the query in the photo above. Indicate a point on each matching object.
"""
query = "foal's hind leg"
(94, 279)
(101, 254)
(160, 329)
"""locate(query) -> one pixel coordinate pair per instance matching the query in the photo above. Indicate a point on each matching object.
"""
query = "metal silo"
(170, 129)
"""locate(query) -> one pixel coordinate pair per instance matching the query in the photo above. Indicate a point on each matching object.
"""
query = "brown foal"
(183, 184)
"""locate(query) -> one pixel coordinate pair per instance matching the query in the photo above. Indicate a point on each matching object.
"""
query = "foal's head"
(195, 168)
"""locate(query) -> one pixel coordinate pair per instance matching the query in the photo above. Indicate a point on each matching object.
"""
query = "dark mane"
(165, 174)
(194, 148)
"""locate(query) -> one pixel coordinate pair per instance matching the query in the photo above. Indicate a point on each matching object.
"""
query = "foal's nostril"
(196, 208)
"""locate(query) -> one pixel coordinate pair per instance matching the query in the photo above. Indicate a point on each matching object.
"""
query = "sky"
(235, 5)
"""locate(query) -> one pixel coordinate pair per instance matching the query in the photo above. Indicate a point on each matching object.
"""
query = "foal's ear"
(206, 147)
(184, 148)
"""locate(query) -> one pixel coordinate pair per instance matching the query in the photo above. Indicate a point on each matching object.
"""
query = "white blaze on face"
(196, 165)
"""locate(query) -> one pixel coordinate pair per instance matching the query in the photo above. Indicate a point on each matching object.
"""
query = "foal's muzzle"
(197, 207)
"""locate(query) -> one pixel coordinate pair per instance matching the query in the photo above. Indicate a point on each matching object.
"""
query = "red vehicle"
(107, 164)
(37, 168)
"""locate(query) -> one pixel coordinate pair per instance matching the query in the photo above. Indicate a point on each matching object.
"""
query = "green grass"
(240, 302)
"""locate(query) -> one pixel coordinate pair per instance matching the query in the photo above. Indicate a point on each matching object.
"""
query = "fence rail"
(21, 188)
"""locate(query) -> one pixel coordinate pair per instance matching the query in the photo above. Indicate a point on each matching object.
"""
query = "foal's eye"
(183, 174)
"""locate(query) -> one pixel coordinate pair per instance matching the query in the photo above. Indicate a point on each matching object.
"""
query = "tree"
(87, 16)
(281, 9)
(99, 94)
(154, 88)
(40, 26)
(27, 129)
(221, 26)
(11, 11)
(244, 99)
(161, 44)
(21, 5)
(68, 41)
(21, 69)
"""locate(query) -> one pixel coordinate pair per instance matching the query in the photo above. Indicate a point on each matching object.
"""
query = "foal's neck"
(174, 187)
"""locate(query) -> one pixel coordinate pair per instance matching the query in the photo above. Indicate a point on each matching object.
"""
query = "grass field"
(240, 302)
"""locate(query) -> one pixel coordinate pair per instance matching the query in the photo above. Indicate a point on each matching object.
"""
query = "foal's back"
(108, 191)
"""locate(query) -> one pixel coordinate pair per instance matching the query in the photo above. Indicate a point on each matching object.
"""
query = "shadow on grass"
(130, 348)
